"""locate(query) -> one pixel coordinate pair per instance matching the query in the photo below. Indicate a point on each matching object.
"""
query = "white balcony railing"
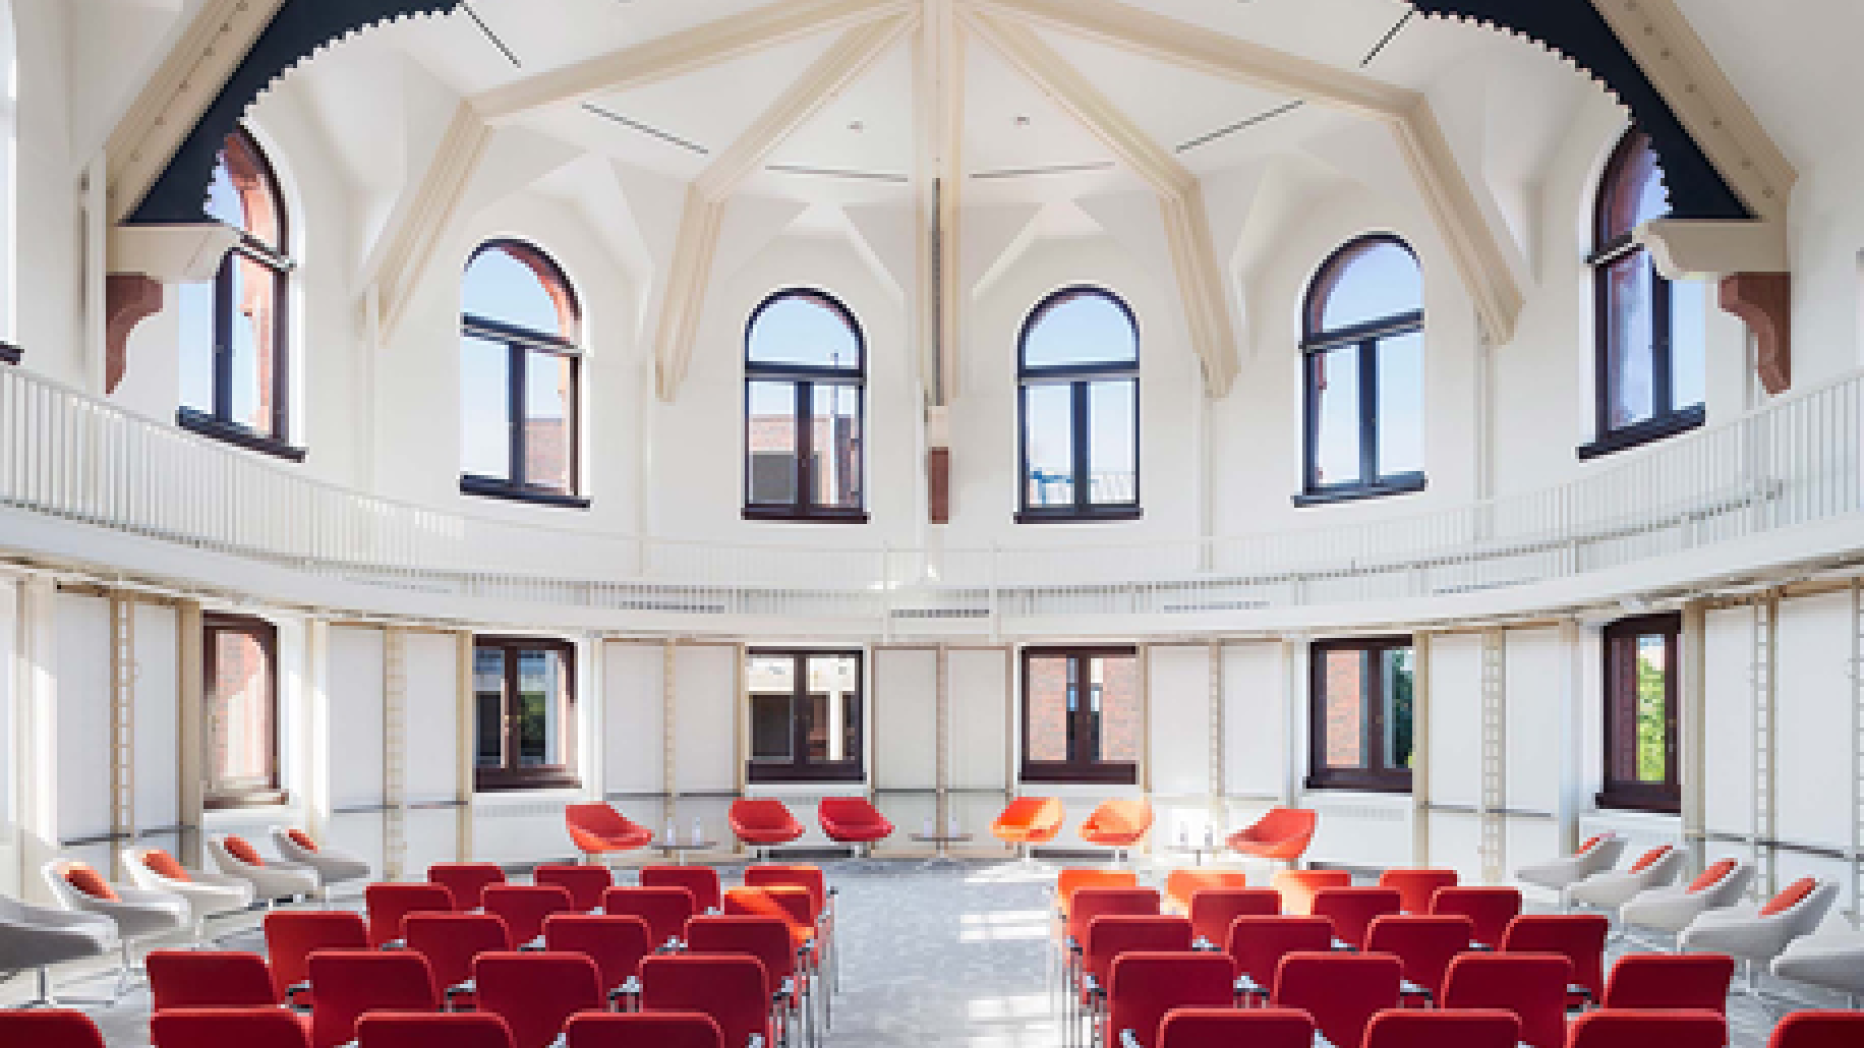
(71, 456)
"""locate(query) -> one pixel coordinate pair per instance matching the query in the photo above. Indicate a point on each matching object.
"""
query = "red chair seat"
(598, 829)
(1118, 823)
(1029, 820)
(852, 820)
(763, 821)
(1281, 833)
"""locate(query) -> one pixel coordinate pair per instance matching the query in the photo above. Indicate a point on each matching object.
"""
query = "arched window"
(235, 373)
(519, 369)
(1650, 337)
(1078, 373)
(1363, 340)
(805, 378)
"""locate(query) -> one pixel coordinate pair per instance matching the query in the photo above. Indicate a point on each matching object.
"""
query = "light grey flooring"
(936, 958)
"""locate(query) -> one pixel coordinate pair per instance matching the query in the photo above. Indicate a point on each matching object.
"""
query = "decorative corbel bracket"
(142, 260)
(1765, 302)
(129, 299)
(938, 465)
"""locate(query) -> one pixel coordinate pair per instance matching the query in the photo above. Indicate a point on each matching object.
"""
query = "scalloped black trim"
(296, 32)
(1575, 30)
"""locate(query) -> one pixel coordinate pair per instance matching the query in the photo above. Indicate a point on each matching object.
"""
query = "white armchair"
(141, 916)
(1831, 960)
(1672, 908)
(207, 894)
(1595, 855)
(270, 880)
(1611, 889)
(332, 866)
(37, 937)
(1757, 934)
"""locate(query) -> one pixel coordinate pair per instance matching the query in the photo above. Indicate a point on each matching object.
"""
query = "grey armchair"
(140, 916)
(33, 938)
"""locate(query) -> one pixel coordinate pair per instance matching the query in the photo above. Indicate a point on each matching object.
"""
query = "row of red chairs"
(597, 829)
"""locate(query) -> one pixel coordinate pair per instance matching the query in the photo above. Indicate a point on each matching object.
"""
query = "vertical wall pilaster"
(669, 724)
(1214, 805)
(1294, 654)
(1494, 763)
(941, 771)
(465, 728)
(1692, 729)
(394, 752)
(313, 718)
(593, 732)
(123, 673)
(190, 732)
(1761, 833)
(38, 731)
(1420, 750)
(1571, 799)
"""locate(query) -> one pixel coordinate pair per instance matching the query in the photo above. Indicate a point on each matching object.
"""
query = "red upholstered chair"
(449, 942)
(1118, 824)
(1213, 909)
(1352, 910)
(1229, 1027)
(466, 880)
(432, 1030)
(584, 883)
(1071, 879)
(1818, 1029)
(536, 993)
(1578, 937)
(1531, 985)
(1143, 986)
(269, 1027)
(1114, 935)
(762, 822)
(1180, 885)
(208, 979)
(523, 907)
(1281, 833)
(348, 983)
(615, 942)
(768, 940)
(1342, 991)
(1298, 887)
(702, 881)
(666, 910)
(1489, 908)
(1415, 887)
(1443, 1028)
(50, 1028)
(389, 903)
(597, 829)
(1089, 903)
(852, 820)
(1027, 821)
(727, 987)
(1256, 946)
(291, 936)
(821, 897)
(642, 1030)
(1664, 980)
(1424, 945)
(1631, 1028)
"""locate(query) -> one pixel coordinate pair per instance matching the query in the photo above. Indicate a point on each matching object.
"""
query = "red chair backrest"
(1490, 908)
(701, 881)
(1032, 813)
(597, 827)
(51, 1028)
(773, 875)
(1437, 1028)
(524, 907)
(728, 987)
(1662, 980)
(1230, 1027)
(1818, 1028)
(1089, 903)
(1110, 935)
(765, 938)
(852, 811)
(584, 883)
(1342, 991)
(292, 935)
(1415, 887)
(666, 910)
(763, 815)
(1531, 985)
(208, 979)
(1256, 945)
(1352, 910)
(784, 902)
(1144, 985)
(347, 983)
(1424, 944)
(1071, 879)
(389, 903)
(642, 1030)
(1213, 909)
(1182, 885)
(1634, 1028)
(535, 993)
(615, 942)
(268, 1027)
(432, 1030)
(1120, 817)
(1297, 888)
(1579, 937)
(466, 880)
(449, 942)
(1281, 833)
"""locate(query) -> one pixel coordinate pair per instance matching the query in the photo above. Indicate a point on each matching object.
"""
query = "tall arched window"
(1650, 336)
(805, 379)
(235, 368)
(1363, 343)
(1078, 378)
(520, 365)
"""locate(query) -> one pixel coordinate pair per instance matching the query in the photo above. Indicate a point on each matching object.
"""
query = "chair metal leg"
(46, 998)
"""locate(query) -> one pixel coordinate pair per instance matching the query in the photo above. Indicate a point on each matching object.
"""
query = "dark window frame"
(520, 343)
(10, 353)
(1082, 766)
(1619, 658)
(511, 775)
(1079, 378)
(1374, 777)
(800, 768)
(1610, 247)
(218, 793)
(803, 379)
(1364, 340)
(218, 422)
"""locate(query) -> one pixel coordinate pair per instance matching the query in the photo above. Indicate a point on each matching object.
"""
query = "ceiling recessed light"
(856, 126)
(1022, 121)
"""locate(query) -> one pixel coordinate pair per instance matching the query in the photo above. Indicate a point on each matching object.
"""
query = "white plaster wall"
(432, 705)
(632, 694)
(157, 718)
(1536, 726)
(1728, 718)
(83, 715)
(1456, 720)
(980, 737)
(1255, 756)
(1812, 717)
(355, 773)
(12, 673)
(705, 690)
(903, 728)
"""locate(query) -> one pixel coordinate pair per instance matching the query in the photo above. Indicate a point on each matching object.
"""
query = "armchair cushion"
(1789, 896)
(84, 878)
(241, 850)
(163, 864)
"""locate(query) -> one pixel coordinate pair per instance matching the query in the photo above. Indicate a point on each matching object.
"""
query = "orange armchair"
(1029, 820)
(1118, 824)
(598, 829)
(763, 821)
(1281, 833)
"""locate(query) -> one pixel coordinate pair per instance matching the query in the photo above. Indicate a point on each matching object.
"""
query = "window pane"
(1336, 421)
(240, 711)
(1634, 195)
(803, 329)
(1630, 396)
(772, 684)
(1343, 679)
(196, 305)
(500, 286)
(1113, 435)
(1114, 701)
(485, 408)
(1688, 342)
(253, 342)
(1395, 678)
(550, 396)
(1652, 727)
(771, 435)
(1401, 405)
(488, 688)
(1048, 419)
(837, 446)
(1086, 327)
(834, 695)
(1375, 280)
(541, 687)
(1049, 699)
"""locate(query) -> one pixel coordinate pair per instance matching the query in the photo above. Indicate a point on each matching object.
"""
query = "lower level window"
(805, 709)
(1082, 718)
(524, 699)
(240, 682)
(1362, 714)
(1640, 714)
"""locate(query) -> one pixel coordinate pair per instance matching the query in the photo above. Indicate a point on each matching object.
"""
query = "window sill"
(507, 784)
(1638, 801)
(1070, 515)
(233, 433)
(1093, 775)
(498, 489)
(806, 516)
(240, 801)
(778, 774)
(10, 353)
(1407, 484)
(1356, 784)
(1644, 433)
